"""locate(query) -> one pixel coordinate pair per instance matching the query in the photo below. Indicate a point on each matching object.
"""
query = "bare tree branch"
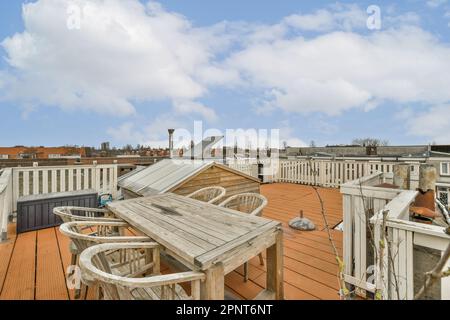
(434, 275)
(344, 292)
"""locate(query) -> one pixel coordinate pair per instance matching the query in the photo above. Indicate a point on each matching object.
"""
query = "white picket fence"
(248, 167)
(268, 172)
(333, 173)
(23, 181)
(364, 205)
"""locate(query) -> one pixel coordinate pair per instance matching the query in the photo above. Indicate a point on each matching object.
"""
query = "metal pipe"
(171, 131)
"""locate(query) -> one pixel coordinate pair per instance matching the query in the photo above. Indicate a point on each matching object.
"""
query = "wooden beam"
(213, 288)
(275, 267)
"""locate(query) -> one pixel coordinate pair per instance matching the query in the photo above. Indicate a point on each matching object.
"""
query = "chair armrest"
(153, 281)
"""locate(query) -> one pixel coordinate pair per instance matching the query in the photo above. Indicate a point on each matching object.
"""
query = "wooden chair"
(84, 234)
(70, 214)
(138, 279)
(209, 194)
(251, 203)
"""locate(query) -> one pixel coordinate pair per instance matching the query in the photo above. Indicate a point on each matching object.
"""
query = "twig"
(343, 288)
(344, 292)
(382, 244)
(391, 258)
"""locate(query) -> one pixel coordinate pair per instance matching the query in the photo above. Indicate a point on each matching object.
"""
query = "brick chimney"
(427, 187)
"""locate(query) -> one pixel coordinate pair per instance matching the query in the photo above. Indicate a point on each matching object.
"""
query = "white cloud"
(433, 124)
(436, 3)
(126, 133)
(185, 107)
(123, 52)
(127, 52)
(339, 71)
(149, 133)
(339, 16)
(287, 134)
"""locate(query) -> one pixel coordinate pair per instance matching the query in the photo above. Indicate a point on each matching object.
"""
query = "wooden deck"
(32, 264)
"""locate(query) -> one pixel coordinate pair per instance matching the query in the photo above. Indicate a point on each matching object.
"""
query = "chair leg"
(261, 260)
(73, 260)
(86, 288)
(77, 294)
(246, 272)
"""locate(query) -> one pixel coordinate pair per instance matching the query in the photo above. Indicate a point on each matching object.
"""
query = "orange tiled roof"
(41, 152)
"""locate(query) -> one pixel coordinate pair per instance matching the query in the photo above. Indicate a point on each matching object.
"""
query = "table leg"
(275, 281)
(213, 288)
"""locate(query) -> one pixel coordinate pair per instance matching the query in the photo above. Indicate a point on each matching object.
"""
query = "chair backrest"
(85, 234)
(69, 214)
(251, 203)
(128, 286)
(209, 194)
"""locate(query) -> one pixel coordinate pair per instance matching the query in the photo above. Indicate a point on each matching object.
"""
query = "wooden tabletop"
(201, 234)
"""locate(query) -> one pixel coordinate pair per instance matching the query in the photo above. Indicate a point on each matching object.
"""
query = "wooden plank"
(64, 252)
(62, 180)
(36, 181)
(348, 234)
(204, 234)
(44, 181)
(26, 183)
(78, 179)
(409, 266)
(20, 280)
(70, 179)
(220, 253)
(50, 279)
(54, 186)
(6, 250)
(192, 236)
(86, 178)
(164, 237)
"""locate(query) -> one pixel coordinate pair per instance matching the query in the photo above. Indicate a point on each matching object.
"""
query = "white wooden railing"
(333, 173)
(247, 166)
(43, 180)
(23, 181)
(5, 201)
(269, 170)
(364, 204)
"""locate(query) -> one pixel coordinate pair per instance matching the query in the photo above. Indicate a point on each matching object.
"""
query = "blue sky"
(310, 68)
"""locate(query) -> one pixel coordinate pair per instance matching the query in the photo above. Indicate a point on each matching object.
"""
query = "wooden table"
(208, 238)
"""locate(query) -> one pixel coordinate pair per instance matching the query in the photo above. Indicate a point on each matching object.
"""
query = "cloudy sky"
(86, 71)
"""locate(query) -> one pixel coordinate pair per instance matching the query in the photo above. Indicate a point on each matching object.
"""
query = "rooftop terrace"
(32, 264)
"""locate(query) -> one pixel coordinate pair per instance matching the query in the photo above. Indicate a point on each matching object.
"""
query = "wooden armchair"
(209, 194)
(251, 203)
(139, 279)
(84, 234)
(69, 214)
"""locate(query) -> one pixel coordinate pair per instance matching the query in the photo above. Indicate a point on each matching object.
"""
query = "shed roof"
(168, 173)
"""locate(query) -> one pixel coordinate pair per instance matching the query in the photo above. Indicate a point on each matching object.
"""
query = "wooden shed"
(184, 177)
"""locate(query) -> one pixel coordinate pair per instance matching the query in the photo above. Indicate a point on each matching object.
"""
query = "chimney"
(402, 176)
(427, 187)
(171, 131)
